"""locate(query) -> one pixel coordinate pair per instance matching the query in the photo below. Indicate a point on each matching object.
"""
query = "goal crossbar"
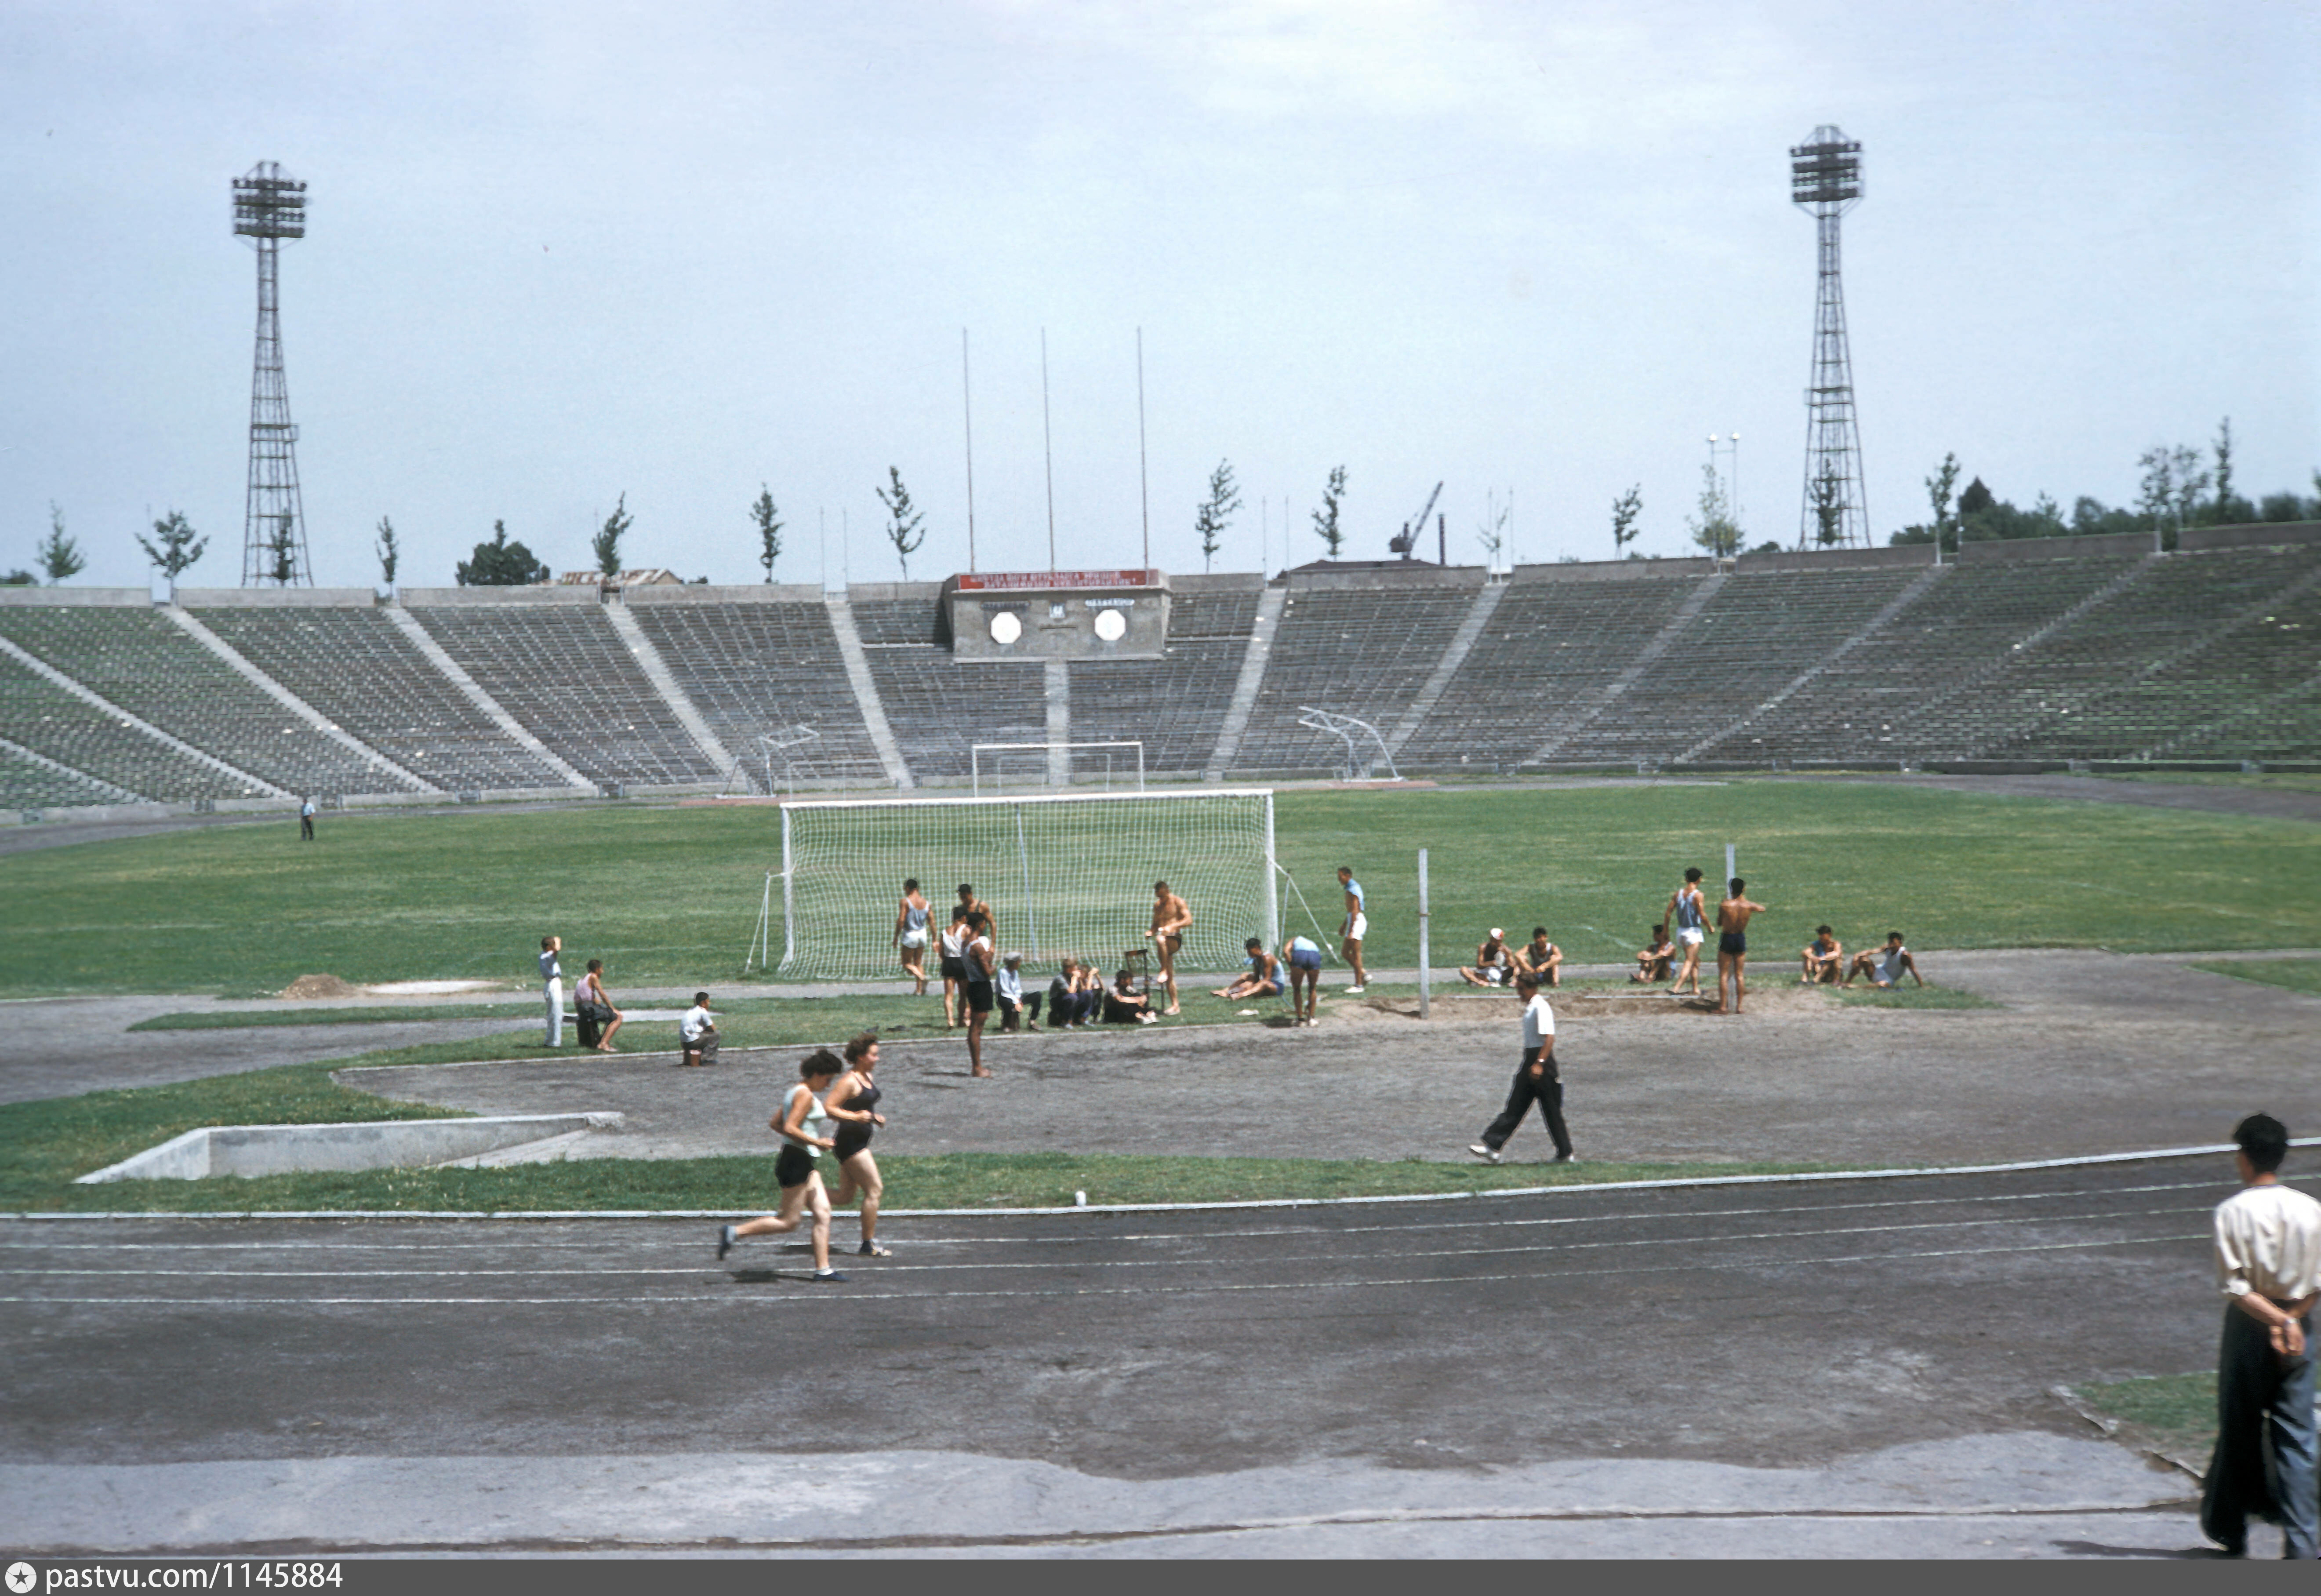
(975, 760)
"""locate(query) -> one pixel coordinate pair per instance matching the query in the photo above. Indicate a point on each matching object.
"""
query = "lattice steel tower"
(268, 207)
(1826, 178)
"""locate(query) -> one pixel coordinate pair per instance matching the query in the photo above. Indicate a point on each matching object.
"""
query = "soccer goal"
(1055, 764)
(1063, 874)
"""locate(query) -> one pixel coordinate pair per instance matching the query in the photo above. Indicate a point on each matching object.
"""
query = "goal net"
(1064, 874)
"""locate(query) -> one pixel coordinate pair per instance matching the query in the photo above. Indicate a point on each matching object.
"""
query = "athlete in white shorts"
(1357, 927)
(1686, 911)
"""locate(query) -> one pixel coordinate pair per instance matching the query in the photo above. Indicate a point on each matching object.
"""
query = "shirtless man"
(1542, 957)
(1172, 917)
(1652, 962)
(1824, 958)
(1264, 977)
(973, 905)
(1357, 927)
(1732, 944)
(1686, 913)
(1492, 966)
(1884, 966)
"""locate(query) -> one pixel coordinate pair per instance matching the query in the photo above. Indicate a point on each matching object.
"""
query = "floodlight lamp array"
(1825, 171)
(268, 204)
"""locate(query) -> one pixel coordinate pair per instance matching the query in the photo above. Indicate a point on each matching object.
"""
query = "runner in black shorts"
(853, 1102)
(975, 953)
(802, 1123)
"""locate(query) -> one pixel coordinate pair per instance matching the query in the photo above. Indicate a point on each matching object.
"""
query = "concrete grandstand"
(2025, 655)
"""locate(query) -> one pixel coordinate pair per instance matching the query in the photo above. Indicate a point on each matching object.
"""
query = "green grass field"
(2174, 1415)
(2297, 975)
(668, 896)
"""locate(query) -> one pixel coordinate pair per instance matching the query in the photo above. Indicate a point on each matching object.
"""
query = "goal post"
(1064, 874)
(1057, 763)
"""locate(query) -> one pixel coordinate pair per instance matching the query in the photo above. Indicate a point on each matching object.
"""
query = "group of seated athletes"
(1825, 962)
(1496, 963)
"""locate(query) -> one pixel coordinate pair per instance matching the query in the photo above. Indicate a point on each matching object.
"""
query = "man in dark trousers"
(2269, 1264)
(1536, 1081)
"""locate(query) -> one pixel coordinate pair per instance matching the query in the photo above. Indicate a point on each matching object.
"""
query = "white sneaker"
(1354, 991)
(1486, 1154)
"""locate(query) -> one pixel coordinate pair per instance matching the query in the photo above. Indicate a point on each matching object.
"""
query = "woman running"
(805, 1130)
(911, 935)
(853, 1102)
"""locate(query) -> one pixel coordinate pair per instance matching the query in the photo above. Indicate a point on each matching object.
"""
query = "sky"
(560, 254)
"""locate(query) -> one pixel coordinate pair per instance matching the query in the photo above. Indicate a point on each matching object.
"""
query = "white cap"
(1496, 934)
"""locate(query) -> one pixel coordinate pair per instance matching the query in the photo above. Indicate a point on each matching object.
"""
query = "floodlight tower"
(1826, 178)
(268, 207)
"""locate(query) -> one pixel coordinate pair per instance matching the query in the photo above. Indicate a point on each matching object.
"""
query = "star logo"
(21, 1578)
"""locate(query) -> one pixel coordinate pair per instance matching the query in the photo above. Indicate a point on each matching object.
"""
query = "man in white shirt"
(552, 987)
(2268, 1263)
(697, 1033)
(1356, 929)
(1536, 1079)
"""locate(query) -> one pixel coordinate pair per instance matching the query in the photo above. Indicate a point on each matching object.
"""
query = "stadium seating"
(357, 669)
(564, 673)
(939, 707)
(1172, 705)
(1863, 708)
(755, 668)
(1550, 644)
(28, 784)
(141, 662)
(51, 722)
(1358, 650)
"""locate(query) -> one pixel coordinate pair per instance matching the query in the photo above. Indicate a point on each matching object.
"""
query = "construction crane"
(1403, 541)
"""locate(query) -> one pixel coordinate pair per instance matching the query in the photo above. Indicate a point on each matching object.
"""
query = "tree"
(1326, 519)
(389, 555)
(1624, 511)
(283, 545)
(904, 528)
(1493, 531)
(60, 556)
(1713, 526)
(1828, 501)
(606, 545)
(500, 564)
(179, 548)
(1938, 495)
(1216, 513)
(19, 578)
(2227, 508)
(769, 530)
(2191, 485)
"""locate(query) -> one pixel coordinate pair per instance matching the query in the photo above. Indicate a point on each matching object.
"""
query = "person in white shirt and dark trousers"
(2268, 1263)
(1536, 1081)
(552, 987)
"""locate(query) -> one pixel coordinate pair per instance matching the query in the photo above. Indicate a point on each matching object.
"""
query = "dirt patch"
(320, 985)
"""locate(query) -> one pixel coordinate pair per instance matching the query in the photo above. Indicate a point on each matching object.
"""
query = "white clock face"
(1005, 628)
(1111, 624)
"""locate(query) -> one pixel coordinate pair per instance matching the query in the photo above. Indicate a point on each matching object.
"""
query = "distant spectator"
(551, 988)
(1653, 963)
(1824, 958)
(1884, 966)
(1264, 977)
(306, 820)
(1016, 1011)
(599, 1021)
(1493, 965)
(1542, 957)
(697, 1033)
(1357, 929)
(1124, 1005)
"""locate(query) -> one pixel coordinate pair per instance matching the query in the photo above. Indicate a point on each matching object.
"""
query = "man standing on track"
(1357, 927)
(552, 987)
(1536, 1081)
(1685, 912)
(1733, 944)
(306, 820)
(1172, 916)
(2269, 1262)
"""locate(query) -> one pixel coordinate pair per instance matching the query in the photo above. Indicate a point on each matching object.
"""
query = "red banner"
(1017, 581)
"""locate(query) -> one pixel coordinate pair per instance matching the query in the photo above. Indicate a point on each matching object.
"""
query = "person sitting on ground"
(1654, 962)
(1065, 1009)
(1016, 1010)
(1124, 1005)
(1493, 966)
(596, 1009)
(697, 1033)
(1884, 966)
(1542, 957)
(1824, 958)
(1264, 977)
